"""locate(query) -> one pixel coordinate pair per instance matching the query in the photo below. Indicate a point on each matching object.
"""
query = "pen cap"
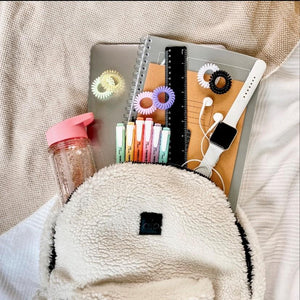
(130, 133)
(120, 135)
(148, 129)
(139, 128)
(156, 134)
(70, 128)
(165, 138)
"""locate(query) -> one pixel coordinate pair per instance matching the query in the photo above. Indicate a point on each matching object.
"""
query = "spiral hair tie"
(212, 82)
(118, 80)
(139, 108)
(169, 102)
(200, 76)
(97, 93)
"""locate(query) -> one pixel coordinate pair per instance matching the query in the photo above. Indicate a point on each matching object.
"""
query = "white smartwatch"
(225, 132)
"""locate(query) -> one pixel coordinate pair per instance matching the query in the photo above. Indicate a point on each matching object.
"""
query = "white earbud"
(218, 117)
(207, 101)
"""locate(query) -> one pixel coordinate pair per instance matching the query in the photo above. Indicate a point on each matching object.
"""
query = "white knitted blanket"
(44, 68)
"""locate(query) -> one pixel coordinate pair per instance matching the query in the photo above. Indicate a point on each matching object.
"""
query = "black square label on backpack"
(150, 223)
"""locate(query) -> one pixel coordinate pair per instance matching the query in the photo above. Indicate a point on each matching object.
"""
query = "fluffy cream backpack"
(144, 231)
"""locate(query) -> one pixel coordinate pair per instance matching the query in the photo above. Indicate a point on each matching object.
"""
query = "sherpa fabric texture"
(100, 254)
(44, 68)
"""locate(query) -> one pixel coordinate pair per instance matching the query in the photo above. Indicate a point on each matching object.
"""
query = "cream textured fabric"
(275, 211)
(44, 67)
(100, 253)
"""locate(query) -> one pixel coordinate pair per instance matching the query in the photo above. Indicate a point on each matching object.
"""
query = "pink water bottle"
(71, 153)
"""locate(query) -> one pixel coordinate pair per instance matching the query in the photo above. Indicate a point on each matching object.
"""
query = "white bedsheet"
(270, 189)
(269, 195)
(19, 256)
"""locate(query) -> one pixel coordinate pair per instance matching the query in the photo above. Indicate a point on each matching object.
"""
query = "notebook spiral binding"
(140, 70)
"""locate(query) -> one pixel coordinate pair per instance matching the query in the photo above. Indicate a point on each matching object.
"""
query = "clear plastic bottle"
(71, 153)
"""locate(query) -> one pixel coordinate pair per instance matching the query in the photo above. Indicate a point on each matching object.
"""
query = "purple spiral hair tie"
(169, 92)
(139, 108)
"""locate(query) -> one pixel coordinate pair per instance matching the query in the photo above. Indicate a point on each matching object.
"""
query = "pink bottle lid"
(70, 128)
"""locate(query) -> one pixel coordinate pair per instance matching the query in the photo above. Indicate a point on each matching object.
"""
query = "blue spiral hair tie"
(169, 102)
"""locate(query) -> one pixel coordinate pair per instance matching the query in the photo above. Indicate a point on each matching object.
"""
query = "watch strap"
(214, 151)
(210, 159)
(245, 94)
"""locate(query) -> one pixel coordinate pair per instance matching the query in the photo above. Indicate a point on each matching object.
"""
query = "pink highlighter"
(148, 132)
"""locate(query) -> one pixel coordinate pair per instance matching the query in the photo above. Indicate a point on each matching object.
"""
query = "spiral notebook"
(150, 70)
(121, 58)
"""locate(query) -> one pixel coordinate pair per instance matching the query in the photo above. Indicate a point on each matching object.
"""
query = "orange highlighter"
(130, 133)
(139, 140)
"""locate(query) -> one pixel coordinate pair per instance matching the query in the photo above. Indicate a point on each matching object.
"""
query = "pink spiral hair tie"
(169, 92)
(139, 108)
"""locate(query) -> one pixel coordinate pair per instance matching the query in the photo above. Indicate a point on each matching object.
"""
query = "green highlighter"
(164, 145)
(120, 143)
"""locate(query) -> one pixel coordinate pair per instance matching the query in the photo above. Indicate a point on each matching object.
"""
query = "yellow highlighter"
(130, 135)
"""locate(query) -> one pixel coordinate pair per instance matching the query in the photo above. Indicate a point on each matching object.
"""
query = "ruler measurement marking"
(176, 116)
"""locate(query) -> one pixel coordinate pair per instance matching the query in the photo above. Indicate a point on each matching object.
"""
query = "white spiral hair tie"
(204, 69)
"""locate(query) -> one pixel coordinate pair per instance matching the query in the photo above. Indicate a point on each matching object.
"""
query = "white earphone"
(207, 101)
(218, 117)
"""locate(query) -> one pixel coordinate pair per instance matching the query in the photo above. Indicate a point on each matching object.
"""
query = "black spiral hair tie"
(212, 82)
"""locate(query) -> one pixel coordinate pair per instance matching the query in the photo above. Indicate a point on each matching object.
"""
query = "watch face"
(223, 135)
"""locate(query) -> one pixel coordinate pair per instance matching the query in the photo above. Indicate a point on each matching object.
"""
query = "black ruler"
(176, 116)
